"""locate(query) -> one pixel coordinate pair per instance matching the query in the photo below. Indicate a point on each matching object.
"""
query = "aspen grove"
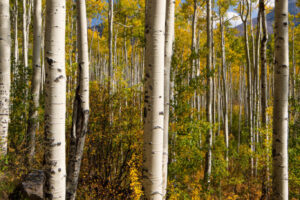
(150, 99)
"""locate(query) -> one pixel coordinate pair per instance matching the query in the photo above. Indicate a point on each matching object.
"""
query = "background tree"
(169, 42)
(81, 104)
(36, 78)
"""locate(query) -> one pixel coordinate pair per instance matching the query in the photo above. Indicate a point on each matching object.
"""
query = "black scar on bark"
(57, 79)
(158, 127)
(49, 61)
(145, 112)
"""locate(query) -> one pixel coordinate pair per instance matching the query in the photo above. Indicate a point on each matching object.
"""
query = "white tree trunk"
(170, 15)
(244, 6)
(16, 48)
(36, 78)
(225, 93)
(110, 41)
(209, 95)
(25, 43)
(280, 116)
(81, 104)
(4, 73)
(154, 98)
(55, 100)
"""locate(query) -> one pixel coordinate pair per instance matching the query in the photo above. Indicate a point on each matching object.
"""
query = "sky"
(237, 20)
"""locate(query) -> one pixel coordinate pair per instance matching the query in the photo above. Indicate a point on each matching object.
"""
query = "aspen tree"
(244, 12)
(193, 46)
(154, 98)
(25, 42)
(225, 93)
(110, 41)
(36, 77)
(5, 49)
(263, 59)
(16, 48)
(264, 101)
(169, 40)
(208, 95)
(55, 100)
(81, 104)
(280, 109)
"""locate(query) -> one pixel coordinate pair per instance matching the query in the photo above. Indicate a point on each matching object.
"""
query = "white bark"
(281, 88)
(110, 41)
(244, 11)
(4, 73)
(81, 104)
(25, 42)
(225, 93)
(170, 16)
(154, 98)
(16, 48)
(55, 100)
(209, 95)
(36, 78)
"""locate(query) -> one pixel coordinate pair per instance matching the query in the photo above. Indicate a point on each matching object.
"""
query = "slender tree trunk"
(154, 98)
(256, 85)
(25, 42)
(169, 40)
(240, 108)
(208, 96)
(16, 48)
(249, 86)
(110, 41)
(264, 101)
(5, 49)
(281, 88)
(81, 104)
(36, 79)
(55, 101)
(213, 77)
(194, 38)
(263, 58)
(293, 92)
(225, 112)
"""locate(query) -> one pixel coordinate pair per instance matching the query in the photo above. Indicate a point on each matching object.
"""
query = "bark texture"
(5, 49)
(16, 48)
(169, 40)
(280, 117)
(244, 11)
(25, 42)
(81, 104)
(55, 100)
(154, 99)
(110, 41)
(225, 93)
(208, 95)
(36, 78)
(263, 58)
